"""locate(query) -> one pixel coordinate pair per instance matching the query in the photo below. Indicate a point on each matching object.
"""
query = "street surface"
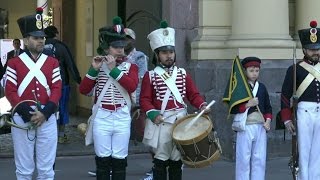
(76, 167)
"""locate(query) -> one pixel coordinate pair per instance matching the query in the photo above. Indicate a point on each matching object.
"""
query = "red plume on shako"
(39, 10)
(313, 24)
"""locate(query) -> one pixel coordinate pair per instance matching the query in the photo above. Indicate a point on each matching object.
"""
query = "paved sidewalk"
(139, 160)
(76, 167)
(76, 146)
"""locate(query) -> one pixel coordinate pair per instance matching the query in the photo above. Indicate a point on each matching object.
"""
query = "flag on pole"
(237, 90)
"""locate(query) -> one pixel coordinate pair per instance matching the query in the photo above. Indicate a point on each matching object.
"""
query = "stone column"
(44, 5)
(306, 11)
(214, 28)
(260, 23)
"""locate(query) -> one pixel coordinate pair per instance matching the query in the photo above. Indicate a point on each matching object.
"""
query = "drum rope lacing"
(213, 138)
(180, 149)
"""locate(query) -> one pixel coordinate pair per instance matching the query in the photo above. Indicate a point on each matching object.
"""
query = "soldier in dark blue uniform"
(308, 97)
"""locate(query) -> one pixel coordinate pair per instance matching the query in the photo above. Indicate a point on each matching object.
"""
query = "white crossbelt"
(170, 81)
(34, 72)
(123, 91)
(314, 72)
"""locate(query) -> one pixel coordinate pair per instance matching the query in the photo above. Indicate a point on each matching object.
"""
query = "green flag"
(237, 90)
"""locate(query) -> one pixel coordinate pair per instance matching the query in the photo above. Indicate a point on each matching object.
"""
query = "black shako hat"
(32, 25)
(112, 36)
(310, 38)
(251, 61)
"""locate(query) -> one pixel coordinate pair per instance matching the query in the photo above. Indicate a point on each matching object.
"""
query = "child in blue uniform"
(252, 142)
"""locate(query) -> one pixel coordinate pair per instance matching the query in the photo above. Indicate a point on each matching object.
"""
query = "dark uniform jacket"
(10, 55)
(264, 103)
(311, 94)
(66, 61)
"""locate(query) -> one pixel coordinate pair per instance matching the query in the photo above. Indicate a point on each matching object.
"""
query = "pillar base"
(231, 53)
(247, 41)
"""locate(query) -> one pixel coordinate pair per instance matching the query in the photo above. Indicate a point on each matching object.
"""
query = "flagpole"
(259, 111)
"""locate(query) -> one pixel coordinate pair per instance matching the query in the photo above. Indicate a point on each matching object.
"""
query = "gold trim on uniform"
(165, 76)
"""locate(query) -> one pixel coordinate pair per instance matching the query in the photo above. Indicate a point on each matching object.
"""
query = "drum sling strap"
(123, 92)
(89, 133)
(313, 73)
(170, 81)
(34, 72)
(150, 126)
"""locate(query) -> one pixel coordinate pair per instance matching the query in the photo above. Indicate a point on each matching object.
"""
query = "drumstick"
(188, 126)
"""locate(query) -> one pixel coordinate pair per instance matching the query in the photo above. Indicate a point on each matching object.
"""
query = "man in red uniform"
(113, 80)
(34, 76)
(163, 94)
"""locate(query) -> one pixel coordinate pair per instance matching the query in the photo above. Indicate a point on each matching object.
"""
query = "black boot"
(119, 169)
(103, 165)
(175, 171)
(160, 169)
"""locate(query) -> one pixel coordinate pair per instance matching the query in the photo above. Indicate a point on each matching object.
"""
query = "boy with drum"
(163, 94)
(251, 143)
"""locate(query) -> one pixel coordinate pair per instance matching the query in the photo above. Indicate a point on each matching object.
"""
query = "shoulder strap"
(165, 101)
(102, 93)
(34, 71)
(313, 73)
(255, 89)
(170, 82)
(312, 70)
(124, 93)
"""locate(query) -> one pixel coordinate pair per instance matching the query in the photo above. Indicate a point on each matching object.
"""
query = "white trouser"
(251, 153)
(35, 148)
(111, 132)
(308, 115)
(166, 148)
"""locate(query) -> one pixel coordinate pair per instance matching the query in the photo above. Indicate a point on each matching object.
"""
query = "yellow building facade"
(209, 34)
(78, 22)
(226, 28)
(267, 29)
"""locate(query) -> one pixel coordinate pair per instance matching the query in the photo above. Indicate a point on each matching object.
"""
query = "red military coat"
(125, 74)
(153, 89)
(17, 71)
